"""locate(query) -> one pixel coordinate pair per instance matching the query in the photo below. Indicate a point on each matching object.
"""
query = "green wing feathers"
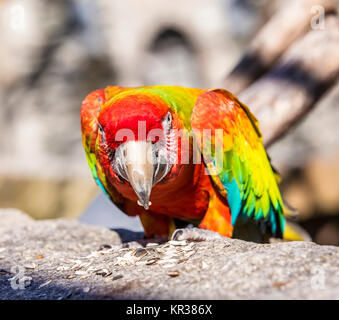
(246, 176)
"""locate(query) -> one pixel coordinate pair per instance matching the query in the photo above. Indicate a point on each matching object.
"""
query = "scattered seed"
(30, 266)
(92, 255)
(62, 268)
(70, 276)
(45, 284)
(173, 274)
(103, 272)
(204, 265)
(168, 252)
(171, 256)
(68, 296)
(177, 243)
(2, 257)
(119, 276)
(40, 256)
(125, 247)
(151, 261)
(86, 289)
(279, 284)
(2, 249)
(188, 248)
(128, 255)
(81, 273)
(189, 254)
(171, 265)
(84, 277)
(104, 247)
(76, 268)
(168, 261)
(141, 262)
(182, 260)
(139, 253)
(4, 272)
(151, 244)
(134, 244)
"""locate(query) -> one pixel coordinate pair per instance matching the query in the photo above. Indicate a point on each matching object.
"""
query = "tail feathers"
(293, 232)
(288, 211)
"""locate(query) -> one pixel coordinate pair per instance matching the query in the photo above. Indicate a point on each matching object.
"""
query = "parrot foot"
(195, 234)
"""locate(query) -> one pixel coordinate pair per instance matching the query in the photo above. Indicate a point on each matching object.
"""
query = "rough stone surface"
(65, 259)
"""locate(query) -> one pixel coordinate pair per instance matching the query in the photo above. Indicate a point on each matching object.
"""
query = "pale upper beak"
(135, 165)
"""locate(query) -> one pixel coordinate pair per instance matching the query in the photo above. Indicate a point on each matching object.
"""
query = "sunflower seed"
(119, 276)
(30, 266)
(62, 268)
(3, 272)
(188, 248)
(128, 255)
(177, 243)
(141, 263)
(76, 268)
(171, 250)
(168, 261)
(171, 256)
(81, 273)
(103, 272)
(139, 253)
(151, 244)
(45, 284)
(151, 261)
(171, 265)
(173, 273)
(104, 247)
(189, 254)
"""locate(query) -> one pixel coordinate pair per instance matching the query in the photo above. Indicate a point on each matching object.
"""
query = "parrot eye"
(169, 117)
(167, 122)
(101, 131)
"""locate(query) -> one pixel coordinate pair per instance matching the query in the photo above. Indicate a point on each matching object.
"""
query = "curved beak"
(139, 169)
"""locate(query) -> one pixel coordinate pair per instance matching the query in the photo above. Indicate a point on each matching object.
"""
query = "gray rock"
(102, 212)
(65, 259)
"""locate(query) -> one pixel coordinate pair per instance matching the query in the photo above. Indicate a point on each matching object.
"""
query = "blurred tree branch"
(288, 66)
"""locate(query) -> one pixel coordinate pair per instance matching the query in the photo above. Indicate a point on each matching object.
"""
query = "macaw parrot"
(144, 163)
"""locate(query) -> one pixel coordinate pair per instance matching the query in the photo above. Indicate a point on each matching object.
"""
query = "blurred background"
(53, 53)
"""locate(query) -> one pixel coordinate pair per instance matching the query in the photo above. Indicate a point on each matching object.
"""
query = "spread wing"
(236, 159)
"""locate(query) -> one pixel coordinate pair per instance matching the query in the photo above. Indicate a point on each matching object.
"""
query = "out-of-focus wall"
(53, 53)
